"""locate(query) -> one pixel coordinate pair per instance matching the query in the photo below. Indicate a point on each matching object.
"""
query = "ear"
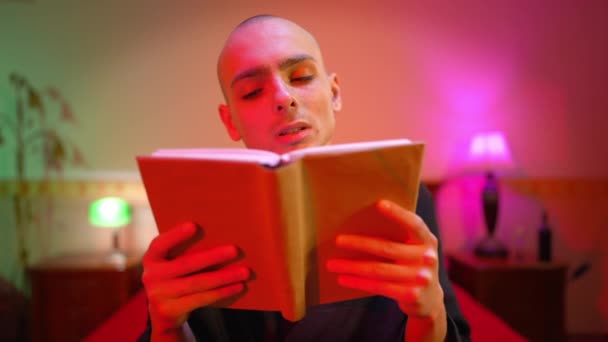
(226, 117)
(335, 91)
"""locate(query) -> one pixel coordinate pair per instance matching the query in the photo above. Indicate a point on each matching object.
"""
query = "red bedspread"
(128, 323)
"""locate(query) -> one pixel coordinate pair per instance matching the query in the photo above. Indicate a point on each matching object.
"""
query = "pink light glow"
(489, 150)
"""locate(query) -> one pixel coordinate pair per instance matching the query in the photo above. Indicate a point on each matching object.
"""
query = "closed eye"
(252, 94)
(302, 78)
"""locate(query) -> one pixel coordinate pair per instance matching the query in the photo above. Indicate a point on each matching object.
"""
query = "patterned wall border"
(133, 189)
(558, 188)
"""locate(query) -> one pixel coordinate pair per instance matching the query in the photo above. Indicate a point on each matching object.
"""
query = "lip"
(295, 137)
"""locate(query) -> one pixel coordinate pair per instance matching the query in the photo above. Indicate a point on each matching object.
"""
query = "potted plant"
(30, 134)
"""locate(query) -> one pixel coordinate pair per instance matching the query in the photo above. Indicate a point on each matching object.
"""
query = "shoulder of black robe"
(210, 324)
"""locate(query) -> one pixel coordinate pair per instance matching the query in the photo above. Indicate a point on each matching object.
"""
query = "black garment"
(377, 318)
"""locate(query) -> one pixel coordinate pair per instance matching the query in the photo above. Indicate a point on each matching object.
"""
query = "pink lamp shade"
(489, 151)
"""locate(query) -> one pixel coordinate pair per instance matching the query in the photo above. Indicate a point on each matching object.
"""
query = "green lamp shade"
(110, 212)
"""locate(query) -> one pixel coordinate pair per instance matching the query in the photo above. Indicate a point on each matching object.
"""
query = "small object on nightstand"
(544, 239)
(519, 243)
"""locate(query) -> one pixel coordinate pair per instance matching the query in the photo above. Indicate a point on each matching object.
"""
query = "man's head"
(279, 97)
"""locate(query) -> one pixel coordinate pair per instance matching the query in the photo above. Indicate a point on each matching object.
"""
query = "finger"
(191, 263)
(163, 243)
(197, 300)
(381, 271)
(202, 282)
(399, 292)
(413, 223)
(383, 248)
(186, 304)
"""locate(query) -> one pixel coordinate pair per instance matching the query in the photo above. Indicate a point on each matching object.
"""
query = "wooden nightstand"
(73, 294)
(528, 295)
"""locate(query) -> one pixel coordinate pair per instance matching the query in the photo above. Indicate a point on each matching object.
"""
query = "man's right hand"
(177, 286)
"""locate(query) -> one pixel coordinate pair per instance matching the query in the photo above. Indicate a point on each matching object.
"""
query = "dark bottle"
(544, 240)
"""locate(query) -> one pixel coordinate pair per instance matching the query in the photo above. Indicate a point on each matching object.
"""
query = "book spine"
(291, 196)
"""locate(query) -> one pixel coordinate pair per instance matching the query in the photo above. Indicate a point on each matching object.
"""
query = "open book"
(284, 211)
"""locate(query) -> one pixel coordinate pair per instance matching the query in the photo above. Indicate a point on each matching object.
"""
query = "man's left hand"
(410, 274)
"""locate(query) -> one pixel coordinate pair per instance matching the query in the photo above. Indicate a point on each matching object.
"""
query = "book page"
(344, 148)
(342, 191)
(234, 203)
(227, 154)
(272, 159)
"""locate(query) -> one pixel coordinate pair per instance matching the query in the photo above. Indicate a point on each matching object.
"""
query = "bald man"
(279, 97)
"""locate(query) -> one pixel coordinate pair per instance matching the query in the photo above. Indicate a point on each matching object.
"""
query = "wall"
(144, 72)
(140, 75)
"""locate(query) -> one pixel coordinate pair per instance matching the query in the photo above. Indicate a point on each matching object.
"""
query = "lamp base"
(490, 247)
(117, 258)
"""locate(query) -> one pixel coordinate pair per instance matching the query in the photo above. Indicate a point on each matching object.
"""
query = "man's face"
(279, 96)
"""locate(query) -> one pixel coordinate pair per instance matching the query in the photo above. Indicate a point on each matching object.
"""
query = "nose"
(284, 101)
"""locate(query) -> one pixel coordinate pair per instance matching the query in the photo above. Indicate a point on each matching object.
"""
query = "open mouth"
(292, 130)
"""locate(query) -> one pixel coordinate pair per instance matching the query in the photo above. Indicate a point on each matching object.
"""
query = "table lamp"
(489, 152)
(114, 213)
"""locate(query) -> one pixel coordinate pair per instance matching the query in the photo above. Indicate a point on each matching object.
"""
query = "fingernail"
(234, 288)
(429, 257)
(339, 239)
(188, 227)
(230, 251)
(384, 204)
(243, 272)
(424, 275)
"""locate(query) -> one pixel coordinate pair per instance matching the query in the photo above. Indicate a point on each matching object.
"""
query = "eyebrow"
(284, 64)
